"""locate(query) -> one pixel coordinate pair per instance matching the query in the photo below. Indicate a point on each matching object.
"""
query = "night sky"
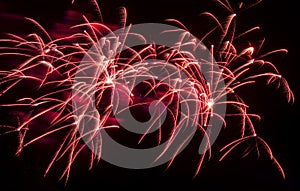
(278, 125)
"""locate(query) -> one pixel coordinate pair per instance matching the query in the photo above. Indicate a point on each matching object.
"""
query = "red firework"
(47, 67)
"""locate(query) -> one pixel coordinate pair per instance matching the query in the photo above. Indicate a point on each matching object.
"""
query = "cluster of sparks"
(46, 68)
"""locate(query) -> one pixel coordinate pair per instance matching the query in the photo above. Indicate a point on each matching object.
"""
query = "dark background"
(278, 126)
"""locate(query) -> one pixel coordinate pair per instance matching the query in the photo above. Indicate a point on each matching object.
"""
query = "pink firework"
(45, 68)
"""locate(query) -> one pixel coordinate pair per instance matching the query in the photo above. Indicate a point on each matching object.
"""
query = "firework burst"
(44, 71)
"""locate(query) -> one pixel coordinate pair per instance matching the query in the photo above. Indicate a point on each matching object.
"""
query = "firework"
(62, 103)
